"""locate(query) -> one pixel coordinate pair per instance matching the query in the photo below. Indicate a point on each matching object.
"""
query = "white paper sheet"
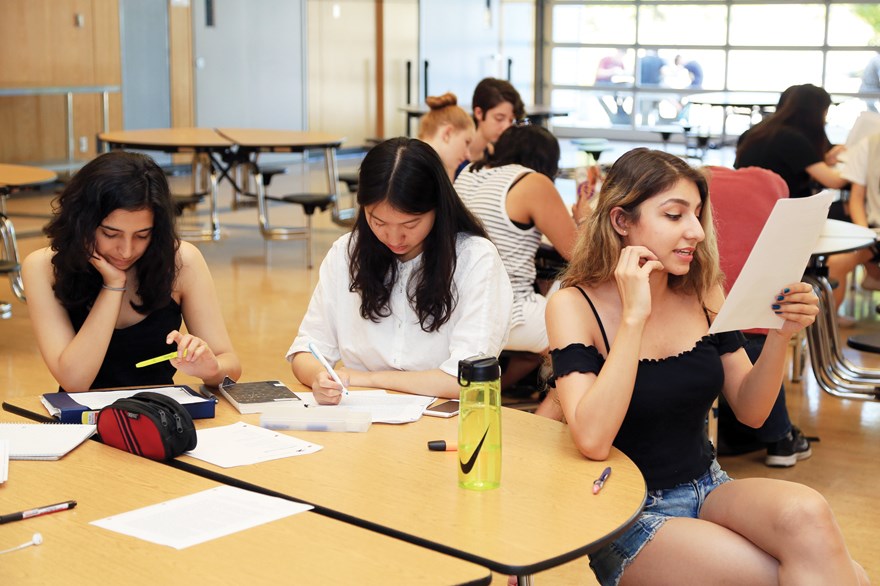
(382, 406)
(240, 444)
(777, 259)
(193, 519)
(4, 460)
(98, 399)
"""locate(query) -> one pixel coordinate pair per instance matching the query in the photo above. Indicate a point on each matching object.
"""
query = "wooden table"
(306, 548)
(253, 142)
(386, 480)
(12, 178)
(208, 149)
(543, 515)
(834, 373)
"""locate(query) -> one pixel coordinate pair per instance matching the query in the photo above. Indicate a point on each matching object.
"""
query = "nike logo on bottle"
(467, 466)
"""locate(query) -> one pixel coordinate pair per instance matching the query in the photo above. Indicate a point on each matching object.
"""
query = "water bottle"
(479, 423)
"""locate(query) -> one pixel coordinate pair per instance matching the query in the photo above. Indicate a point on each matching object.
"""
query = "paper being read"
(777, 259)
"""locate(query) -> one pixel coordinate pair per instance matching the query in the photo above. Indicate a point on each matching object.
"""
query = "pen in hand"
(327, 366)
(158, 359)
(37, 512)
(600, 482)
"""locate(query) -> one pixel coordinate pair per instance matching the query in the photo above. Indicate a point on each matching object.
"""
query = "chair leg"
(309, 240)
(10, 253)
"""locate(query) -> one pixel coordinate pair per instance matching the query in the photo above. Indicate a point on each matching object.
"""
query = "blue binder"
(65, 407)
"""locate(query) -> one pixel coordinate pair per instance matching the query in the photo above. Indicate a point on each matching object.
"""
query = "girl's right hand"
(113, 277)
(632, 275)
(326, 390)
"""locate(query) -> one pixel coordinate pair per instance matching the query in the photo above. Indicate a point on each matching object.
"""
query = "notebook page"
(43, 441)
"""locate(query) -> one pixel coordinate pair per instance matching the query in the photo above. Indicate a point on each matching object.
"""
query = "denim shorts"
(684, 500)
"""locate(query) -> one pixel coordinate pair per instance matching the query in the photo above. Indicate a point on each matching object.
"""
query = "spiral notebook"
(43, 441)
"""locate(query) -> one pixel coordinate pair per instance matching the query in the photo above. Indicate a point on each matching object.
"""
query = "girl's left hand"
(199, 360)
(798, 305)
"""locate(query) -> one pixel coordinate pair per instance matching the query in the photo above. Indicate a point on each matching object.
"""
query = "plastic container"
(479, 425)
(315, 418)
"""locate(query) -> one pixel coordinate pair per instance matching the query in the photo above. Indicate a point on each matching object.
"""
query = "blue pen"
(329, 368)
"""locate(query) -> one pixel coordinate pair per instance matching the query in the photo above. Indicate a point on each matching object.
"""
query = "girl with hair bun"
(448, 129)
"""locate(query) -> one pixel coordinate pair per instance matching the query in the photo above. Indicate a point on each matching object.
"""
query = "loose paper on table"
(241, 443)
(778, 259)
(193, 519)
(383, 407)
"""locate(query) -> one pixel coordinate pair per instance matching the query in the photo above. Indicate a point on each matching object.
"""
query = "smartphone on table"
(444, 409)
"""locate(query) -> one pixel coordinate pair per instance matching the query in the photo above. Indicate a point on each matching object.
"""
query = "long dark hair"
(801, 107)
(528, 145)
(409, 175)
(112, 181)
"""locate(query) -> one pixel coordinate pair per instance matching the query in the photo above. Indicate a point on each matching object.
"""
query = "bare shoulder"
(714, 300)
(187, 253)
(568, 306)
(39, 260)
(534, 184)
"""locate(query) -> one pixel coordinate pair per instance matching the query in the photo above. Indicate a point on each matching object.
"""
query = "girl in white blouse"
(414, 288)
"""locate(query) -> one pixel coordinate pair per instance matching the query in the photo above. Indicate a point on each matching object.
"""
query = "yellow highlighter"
(158, 359)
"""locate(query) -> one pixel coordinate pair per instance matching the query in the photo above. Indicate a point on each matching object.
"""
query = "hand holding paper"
(777, 260)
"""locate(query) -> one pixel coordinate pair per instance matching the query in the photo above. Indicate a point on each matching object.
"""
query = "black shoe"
(787, 451)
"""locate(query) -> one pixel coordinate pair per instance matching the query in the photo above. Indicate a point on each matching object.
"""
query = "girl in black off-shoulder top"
(635, 368)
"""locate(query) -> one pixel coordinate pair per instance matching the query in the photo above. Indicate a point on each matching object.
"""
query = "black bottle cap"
(478, 369)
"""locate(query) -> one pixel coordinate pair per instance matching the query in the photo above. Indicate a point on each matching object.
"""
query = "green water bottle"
(479, 423)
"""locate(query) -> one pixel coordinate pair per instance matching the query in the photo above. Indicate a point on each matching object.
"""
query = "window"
(630, 64)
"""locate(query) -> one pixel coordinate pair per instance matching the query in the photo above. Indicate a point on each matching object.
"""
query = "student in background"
(496, 105)
(742, 200)
(636, 369)
(448, 129)
(414, 288)
(511, 191)
(862, 170)
(792, 142)
(113, 285)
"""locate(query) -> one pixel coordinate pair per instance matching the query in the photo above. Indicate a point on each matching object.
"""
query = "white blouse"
(478, 325)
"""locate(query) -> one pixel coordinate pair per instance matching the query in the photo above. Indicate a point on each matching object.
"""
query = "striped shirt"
(485, 193)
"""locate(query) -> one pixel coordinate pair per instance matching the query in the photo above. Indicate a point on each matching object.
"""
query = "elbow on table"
(592, 448)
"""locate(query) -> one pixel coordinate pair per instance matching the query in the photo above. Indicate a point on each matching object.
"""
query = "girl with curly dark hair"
(115, 283)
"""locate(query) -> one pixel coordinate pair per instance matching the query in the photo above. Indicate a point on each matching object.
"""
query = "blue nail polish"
(777, 312)
(786, 290)
(780, 298)
(776, 307)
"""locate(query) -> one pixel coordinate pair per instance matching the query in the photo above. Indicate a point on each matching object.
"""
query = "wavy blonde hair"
(444, 110)
(636, 176)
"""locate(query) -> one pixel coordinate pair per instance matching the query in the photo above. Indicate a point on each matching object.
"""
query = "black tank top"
(664, 429)
(137, 342)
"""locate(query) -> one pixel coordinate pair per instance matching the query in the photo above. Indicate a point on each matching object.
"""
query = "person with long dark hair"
(635, 368)
(414, 288)
(511, 190)
(115, 283)
(792, 142)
